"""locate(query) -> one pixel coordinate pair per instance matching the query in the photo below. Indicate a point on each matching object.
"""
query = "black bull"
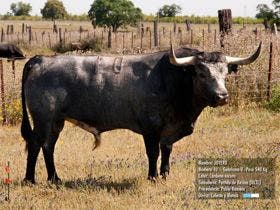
(159, 96)
(8, 50)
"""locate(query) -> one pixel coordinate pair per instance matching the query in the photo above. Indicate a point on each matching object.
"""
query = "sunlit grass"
(114, 175)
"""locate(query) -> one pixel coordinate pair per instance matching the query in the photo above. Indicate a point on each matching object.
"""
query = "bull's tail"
(97, 141)
(26, 130)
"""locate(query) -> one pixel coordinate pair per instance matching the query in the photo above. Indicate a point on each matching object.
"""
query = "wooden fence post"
(8, 30)
(191, 37)
(110, 38)
(60, 36)
(102, 37)
(29, 35)
(36, 39)
(188, 24)
(209, 28)
(174, 27)
(116, 39)
(156, 32)
(203, 38)
(163, 31)
(50, 42)
(269, 71)
(225, 20)
(80, 30)
(43, 40)
(132, 40)
(142, 29)
(141, 38)
(54, 27)
(3, 105)
(123, 36)
(2, 35)
(64, 37)
(225, 23)
(159, 39)
(150, 34)
(22, 29)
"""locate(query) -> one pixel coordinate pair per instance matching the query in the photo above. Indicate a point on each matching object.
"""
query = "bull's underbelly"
(105, 121)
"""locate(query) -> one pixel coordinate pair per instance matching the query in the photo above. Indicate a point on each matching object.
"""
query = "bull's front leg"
(166, 150)
(152, 150)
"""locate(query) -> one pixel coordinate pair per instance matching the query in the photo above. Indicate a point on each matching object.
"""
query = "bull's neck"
(179, 87)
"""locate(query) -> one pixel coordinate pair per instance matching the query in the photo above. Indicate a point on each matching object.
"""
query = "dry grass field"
(114, 175)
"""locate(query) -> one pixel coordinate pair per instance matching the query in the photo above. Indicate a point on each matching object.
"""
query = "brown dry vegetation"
(114, 175)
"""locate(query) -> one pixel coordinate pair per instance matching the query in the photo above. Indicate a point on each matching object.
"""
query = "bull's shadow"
(101, 182)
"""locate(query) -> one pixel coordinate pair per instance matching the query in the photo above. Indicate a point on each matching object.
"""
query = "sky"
(243, 8)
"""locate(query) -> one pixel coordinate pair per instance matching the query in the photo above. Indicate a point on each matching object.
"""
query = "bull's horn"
(180, 61)
(244, 61)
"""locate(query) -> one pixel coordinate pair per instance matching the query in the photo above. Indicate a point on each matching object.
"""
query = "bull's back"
(86, 89)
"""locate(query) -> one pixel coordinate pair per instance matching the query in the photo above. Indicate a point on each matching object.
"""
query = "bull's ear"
(232, 68)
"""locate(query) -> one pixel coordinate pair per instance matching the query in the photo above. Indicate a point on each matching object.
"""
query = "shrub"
(14, 114)
(91, 44)
(86, 44)
(274, 103)
(62, 48)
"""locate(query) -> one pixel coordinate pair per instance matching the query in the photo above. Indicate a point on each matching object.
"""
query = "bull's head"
(210, 70)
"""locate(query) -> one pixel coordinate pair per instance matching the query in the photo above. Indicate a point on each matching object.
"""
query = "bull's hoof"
(153, 179)
(27, 181)
(55, 180)
(164, 175)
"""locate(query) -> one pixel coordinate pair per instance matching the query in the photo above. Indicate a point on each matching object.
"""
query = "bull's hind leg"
(33, 148)
(48, 150)
(41, 132)
(165, 155)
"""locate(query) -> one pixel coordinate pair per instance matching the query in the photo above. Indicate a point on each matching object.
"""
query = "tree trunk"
(115, 28)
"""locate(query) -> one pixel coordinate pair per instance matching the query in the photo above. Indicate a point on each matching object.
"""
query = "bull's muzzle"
(221, 99)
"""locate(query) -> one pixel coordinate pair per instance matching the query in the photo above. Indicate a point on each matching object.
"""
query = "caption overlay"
(235, 178)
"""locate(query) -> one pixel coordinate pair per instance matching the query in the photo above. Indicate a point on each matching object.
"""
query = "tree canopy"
(20, 8)
(114, 13)
(169, 10)
(269, 16)
(53, 9)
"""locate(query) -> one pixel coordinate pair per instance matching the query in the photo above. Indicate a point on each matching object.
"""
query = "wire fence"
(250, 84)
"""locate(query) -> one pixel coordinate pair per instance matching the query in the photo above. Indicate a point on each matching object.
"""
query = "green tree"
(20, 8)
(268, 15)
(115, 13)
(169, 10)
(53, 9)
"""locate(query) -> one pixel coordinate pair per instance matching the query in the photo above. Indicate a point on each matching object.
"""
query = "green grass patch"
(274, 102)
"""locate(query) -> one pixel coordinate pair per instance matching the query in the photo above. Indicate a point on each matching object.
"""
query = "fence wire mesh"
(249, 84)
